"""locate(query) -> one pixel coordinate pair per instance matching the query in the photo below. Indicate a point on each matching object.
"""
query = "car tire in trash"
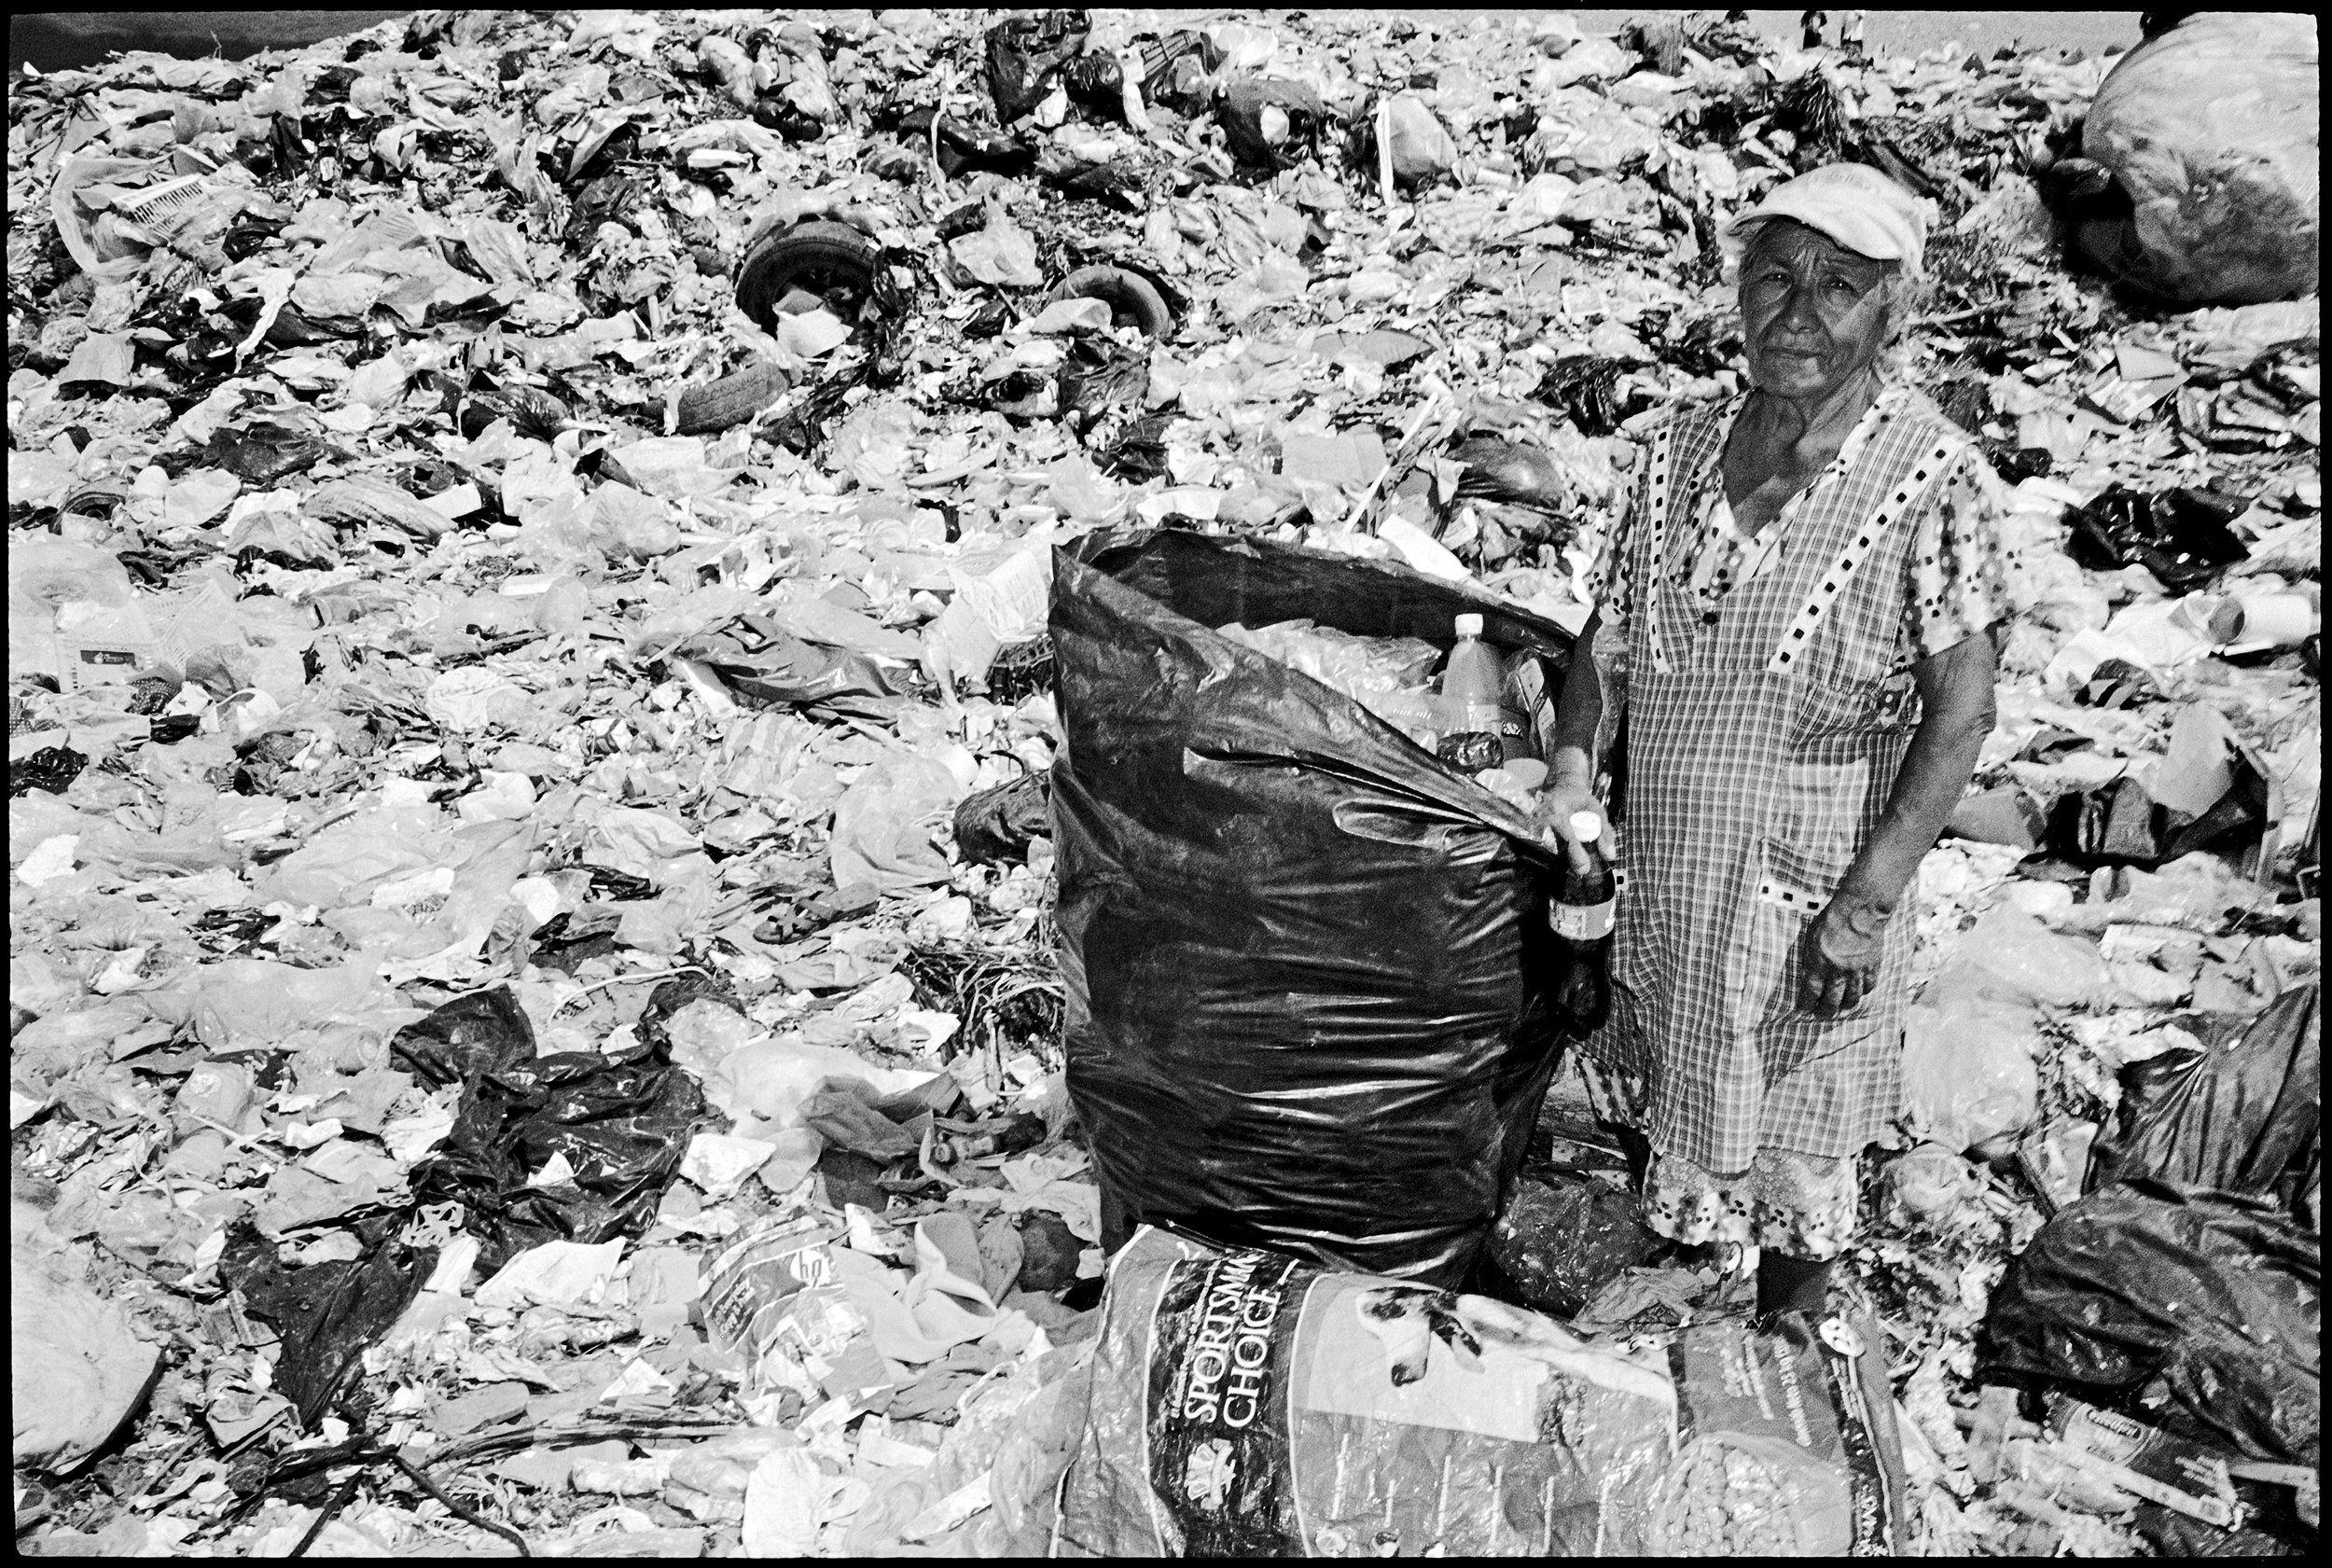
(717, 405)
(821, 258)
(1132, 299)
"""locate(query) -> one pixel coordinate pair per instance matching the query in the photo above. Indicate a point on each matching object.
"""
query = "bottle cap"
(1586, 827)
(1469, 626)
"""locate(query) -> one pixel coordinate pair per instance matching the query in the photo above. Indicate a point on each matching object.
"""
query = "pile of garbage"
(533, 1020)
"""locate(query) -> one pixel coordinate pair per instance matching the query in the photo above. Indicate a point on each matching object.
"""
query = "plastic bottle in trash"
(1583, 914)
(1468, 711)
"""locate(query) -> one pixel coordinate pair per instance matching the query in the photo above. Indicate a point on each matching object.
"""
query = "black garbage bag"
(1269, 123)
(622, 1122)
(994, 827)
(1583, 389)
(1563, 1236)
(1025, 55)
(2242, 1116)
(1099, 377)
(2118, 824)
(2216, 1292)
(326, 1314)
(1306, 965)
(263, 452)
(51, 769)
(2180, 536)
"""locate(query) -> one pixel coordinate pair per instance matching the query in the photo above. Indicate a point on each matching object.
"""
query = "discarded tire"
(1132, 299)
(733, 399)
(823, 258)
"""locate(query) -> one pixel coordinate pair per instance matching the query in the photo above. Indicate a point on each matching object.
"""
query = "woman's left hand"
(1842, 951)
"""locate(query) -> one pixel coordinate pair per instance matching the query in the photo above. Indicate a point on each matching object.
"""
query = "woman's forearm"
(1955, 689)
(1580, 712)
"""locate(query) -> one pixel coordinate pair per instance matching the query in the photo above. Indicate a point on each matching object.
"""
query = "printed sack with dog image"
(1249, 1403)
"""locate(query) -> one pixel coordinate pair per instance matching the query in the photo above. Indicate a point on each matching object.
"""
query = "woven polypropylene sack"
(1306, 965)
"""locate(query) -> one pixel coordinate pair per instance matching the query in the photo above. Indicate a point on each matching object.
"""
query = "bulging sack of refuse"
(1305, 963)
(1248, 1403)
(2210, 130)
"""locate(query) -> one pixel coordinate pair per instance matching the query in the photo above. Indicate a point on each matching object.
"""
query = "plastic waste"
(2180, 536)
(1412, 141)
(1475, 731)
(1269, 123)
(78, 1370)
(326, 1313)
(1025, 52)
(607, 1130)
(2208, 130)
(1584, 912)
(994, 827)
(1205, 795)
(2243, 1116)
(1969, 1073)
(1319, 1412)
(2216, 1293)
(1933, 1184)
(2009, 957)
(1562, 1236)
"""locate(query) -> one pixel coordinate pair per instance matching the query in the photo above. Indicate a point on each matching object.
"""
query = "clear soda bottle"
(1584, 913)
(1468, 710)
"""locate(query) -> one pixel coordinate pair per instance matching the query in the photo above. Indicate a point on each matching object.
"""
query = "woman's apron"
(1763, 741)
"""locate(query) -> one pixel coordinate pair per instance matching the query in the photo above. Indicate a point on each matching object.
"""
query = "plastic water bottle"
(1468, 710)
(1584, 913)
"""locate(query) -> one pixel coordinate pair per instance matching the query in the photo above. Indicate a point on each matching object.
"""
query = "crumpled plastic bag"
(1001, 253)
(2216, 1293)
(328, 1314)
(78, 1370)
(607, 1130)
(881, 835)
(1968, 1067)
(2242, 1116)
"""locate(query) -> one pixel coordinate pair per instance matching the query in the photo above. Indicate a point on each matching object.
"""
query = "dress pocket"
(1818, 827)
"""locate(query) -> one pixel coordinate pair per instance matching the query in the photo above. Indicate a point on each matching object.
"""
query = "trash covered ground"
(533, 1015)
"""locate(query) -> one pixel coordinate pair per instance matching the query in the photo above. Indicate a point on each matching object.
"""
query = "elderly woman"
(1794, 632)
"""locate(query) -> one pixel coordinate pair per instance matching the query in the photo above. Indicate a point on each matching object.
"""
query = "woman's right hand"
(1567, 800)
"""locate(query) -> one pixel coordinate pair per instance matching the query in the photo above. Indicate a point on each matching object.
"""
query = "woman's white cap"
(1854, 203)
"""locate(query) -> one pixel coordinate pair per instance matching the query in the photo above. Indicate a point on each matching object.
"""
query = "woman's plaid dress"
(1763, 737)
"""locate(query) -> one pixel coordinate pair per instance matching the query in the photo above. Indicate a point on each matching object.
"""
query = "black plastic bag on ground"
(326, 1314)
(1563, 1236)
(2216, 1293)
(2242, 1116)
(994, 827)
(1306, 965)
(621, 1123)
(2180, 536)
(1025, 52)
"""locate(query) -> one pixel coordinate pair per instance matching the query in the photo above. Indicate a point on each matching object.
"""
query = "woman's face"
(1814, 315)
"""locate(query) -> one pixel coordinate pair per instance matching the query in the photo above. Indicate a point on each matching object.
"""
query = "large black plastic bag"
(622, 1122)
(1306, 965)
(2243, 1116)
(2216, 1292)
(326, 1314)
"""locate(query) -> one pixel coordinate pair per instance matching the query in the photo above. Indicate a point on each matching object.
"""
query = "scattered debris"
(535, 760)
